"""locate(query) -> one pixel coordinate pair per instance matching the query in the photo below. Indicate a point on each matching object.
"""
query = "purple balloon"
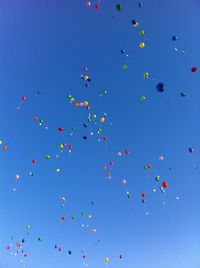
(191, 150)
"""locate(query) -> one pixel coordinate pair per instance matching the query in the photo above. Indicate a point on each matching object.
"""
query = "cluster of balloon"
(85, 77)
(40, 121)
(135, 23)
(174, 39)
(4, 147)
(57, 248)
(23, 99)
(18, 248)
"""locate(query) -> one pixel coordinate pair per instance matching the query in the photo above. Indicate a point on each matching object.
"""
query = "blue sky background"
(45, 45)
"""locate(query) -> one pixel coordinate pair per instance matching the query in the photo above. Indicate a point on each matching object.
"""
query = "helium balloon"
(24, 98)
(164, 184)
(28, 226)
(157, 178)
(40, 239)
(123, 182)
(119, 7)
(142, 45)
(96, 6)
(1, 142)
(102, 119)
(161, 158)
(142, 195)
(62, 218)
(85, 103)
(160, 87)
(135, 23)
(35, 118)
(193, 69)
(107, 259)
(94, 116)
(88, 4)
(111, 163)
(123, 51)
(124, 67)
(183, 94)
(60, 129)
(140, 4)
(126, 151)
(89, 216)
(77, 105)
(34, 161)
(191, 150)
(70, 147)
(58, 170)
(174, 38)
(61, 146)
(104, 138)
(143, 98)
(39, 91)
(4, 148)
(119, 154)
(69, 252)
(129, 195)
(47, 157)
(146, 75)
(85, 137)
(141, 32)
(17, 177)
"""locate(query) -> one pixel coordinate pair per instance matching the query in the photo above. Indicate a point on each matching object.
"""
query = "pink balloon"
(123, 182)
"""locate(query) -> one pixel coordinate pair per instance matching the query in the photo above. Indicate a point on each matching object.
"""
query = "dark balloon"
(85, 137)
(69, 252)
(174, 38)
(193, 69)
(183, 94)
(160, 87)
(190, 150)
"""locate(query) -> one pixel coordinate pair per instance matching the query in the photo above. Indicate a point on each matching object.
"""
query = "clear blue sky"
(46, 45)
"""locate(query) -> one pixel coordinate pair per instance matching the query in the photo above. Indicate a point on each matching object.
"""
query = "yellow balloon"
(107, 259)
(142, 45)
(1, 142)
(71, 99)
(85, 103)
(86, 77)
(89, 216)
(102, 119)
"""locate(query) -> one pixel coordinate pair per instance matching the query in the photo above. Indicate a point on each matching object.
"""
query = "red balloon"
(104, 138)
(193, 69)
(62, 218)
(96, 6)
(164, 184)
(34, 161)
(70, 147)
(111, 163)
(142, 195)
(126, 152)
(60, 129)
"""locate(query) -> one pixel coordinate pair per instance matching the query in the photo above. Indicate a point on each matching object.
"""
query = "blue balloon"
(160, 87)
(174, 38)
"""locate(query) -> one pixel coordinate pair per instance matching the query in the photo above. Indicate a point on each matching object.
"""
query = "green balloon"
(124, 67)
(89, 119)
(119, 7)
(129, 195)
(105, 92)
(40, 239)
(146, 75)
(142, 32)
(47, 157)
(157, 178)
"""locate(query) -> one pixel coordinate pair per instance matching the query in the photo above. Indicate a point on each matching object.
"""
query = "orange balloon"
(77, 104)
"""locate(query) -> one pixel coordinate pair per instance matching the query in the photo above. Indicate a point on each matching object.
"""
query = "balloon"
(164, 184)
(94, 230)
(58, 170)
(135, 23)
(146, 75)
(88, 4)
(142, 45)
(85, 137)
(183, 94)
(77, 105)
(160, 87)
(126, 151)
(193, 69)
(122, 51)
(111, 163)
(141, 32)
(60, 129)
(124, 67)
(40, 239)
(89, 119)
(41, 121)
(39, 91)
(161, 158)
(24, 98)
(94, 116)
(72, 100)
(102, 119)
(85, 103)
(28, 226)
(191, 150)
(17, 177)
(119, 154)
(4, 148)
(107, 259)
(35, 118)
(89, 216)
(47, 157)
(61, 146)
(69, 252)
(140, 4)
(105, 168)
(157, 178)
(1, 142)
(62, 218)
(104, 138)
(34, 161)
(143, 98)
(96, 6)
(119, 7)
(120, 256)
(123, 182)
(142, 195)
(174, 38)
(70, 147)
(129, 195)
